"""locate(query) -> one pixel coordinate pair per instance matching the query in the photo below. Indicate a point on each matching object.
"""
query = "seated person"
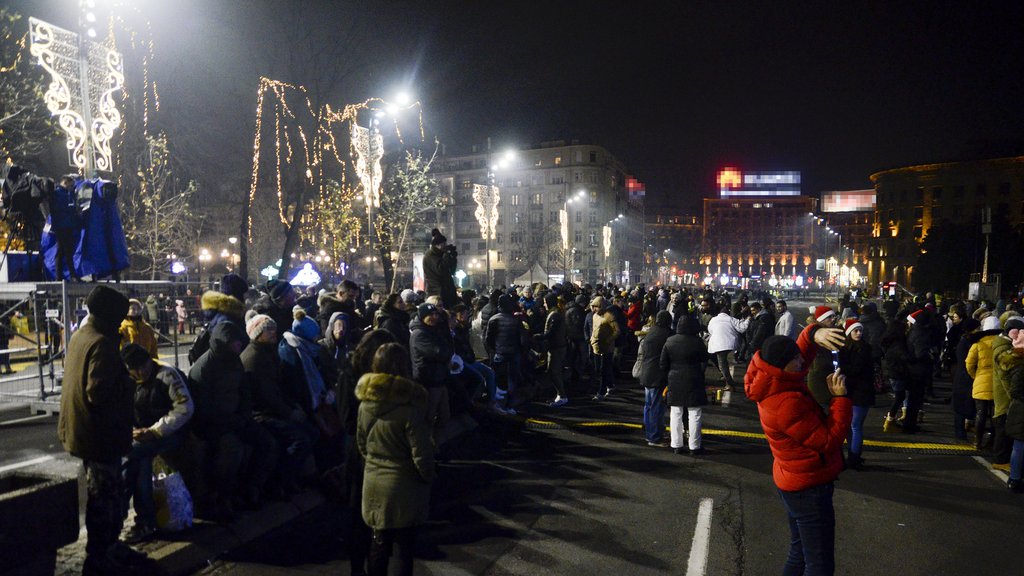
(163, 406)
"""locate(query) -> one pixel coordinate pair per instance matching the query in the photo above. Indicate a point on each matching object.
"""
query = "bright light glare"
(391, 109)
(91, 32)
(403, 99)
(90, 3)
(90, 17)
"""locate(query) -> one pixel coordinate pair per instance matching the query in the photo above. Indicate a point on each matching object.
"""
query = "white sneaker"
(559, 401)
(499, 394)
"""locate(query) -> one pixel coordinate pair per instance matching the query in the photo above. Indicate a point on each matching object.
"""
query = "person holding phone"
(856, 361)
(806, 443)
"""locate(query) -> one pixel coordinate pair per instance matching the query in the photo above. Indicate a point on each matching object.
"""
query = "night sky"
(676, 90)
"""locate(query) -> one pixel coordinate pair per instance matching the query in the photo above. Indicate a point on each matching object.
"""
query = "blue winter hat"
(304, 327)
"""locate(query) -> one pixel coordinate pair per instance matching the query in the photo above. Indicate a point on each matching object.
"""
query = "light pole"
(487, 198)
(204, 256)
(564, 218)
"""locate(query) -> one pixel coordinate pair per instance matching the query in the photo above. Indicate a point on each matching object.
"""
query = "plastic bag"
(173, 501)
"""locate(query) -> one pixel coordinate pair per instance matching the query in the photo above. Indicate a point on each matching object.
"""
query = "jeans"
(380, 550)
(604, 373)
(857, 429)
(138, 475)
(484, 371)
(680, 429)
(654, 414)
(508, 369)
(812, 528)
(556, 363)
(1017, 460)
(722, 357)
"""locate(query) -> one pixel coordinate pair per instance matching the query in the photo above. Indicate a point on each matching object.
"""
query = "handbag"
(638, 364)
(172, 498)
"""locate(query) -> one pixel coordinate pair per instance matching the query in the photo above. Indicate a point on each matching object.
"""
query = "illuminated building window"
(558, 160)
(467, 183)
(515, 218)
(537, 199)
(501, 255)
(515, 200)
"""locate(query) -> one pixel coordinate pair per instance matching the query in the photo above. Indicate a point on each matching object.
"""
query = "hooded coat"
(219, 386)
(651, 373)
(396, 321)
(806, 443)
(394, 439)
(980, 365)
(683, 359)
(1002, 358)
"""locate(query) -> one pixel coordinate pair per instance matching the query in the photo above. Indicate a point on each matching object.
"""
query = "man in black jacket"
(505, 338)
(762, 326)
(575, 321)
(439, 264)
(432, 348)
(554, 336)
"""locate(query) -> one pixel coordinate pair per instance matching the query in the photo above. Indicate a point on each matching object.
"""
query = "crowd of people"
(354, 390)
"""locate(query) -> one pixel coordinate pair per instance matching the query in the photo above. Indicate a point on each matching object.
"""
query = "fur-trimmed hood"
(327, 298)
(213, 301)
(390, 389)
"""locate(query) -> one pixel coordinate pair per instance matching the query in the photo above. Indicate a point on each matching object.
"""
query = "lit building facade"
(673, 245)
(911, 200)
(534, 188)
(851, 214)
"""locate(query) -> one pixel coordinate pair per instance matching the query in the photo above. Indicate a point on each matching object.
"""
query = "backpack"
(200, 346)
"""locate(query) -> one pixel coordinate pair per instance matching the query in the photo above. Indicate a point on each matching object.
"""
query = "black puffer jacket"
(761, 327)
(896, 356)
(438, 271)
(682, 359)
(263, 365)
(219, 386)
(505, 334)
(855, 361)
(651, 374)
(575, 318)
(431, 348)
(396, 322)
(919, 343)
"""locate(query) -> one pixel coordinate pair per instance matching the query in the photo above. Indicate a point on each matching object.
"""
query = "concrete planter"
(38, 515)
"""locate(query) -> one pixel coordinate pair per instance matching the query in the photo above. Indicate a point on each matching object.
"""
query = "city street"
(577, 491)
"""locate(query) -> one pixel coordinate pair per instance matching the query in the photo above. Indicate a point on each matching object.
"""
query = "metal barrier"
(41, 316)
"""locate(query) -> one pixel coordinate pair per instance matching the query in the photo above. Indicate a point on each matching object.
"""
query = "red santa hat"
(913, 317)
(822, 312)
(852, 324)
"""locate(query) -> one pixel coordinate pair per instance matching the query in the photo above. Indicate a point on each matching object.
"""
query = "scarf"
(314, 380)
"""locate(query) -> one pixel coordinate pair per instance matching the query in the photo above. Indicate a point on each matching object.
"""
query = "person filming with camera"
(439, 264)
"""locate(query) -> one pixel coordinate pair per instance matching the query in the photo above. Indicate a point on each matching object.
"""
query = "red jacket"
(634, 316)
(807, 444)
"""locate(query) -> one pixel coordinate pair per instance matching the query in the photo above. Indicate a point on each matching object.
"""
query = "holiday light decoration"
(487, 199)
(308, 142)
(81, 91)
(607, 237)
(563, 222)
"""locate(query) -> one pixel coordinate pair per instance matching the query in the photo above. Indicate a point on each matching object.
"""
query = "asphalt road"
(577, 491)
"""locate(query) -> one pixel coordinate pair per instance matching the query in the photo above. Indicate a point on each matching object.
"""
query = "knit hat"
(234, 285)
(915, 316)
(134, 308)
(425, 310)
(259, 324)
(779, 350)
(134, 356)
(990, 323)
(506, 304)
(852, 324)
(408, 296)
(107, 304)
(1013, 322)
(304, 327)
(279, 289)
(436, 237)
(822, 312)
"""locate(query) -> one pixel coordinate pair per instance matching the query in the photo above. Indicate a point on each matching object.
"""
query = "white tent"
(532, 276)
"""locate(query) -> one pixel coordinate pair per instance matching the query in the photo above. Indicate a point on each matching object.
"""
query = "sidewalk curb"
(206, 542)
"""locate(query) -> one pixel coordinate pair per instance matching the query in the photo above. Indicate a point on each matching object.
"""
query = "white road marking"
(698, 564)
(26, 419)
(31, 462)
(998, 473)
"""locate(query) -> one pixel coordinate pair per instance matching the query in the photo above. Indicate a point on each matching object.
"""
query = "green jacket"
(97, 397)
(1002, 351)
(393, 436)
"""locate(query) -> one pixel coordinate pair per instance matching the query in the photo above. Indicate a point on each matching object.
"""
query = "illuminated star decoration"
(57, 52)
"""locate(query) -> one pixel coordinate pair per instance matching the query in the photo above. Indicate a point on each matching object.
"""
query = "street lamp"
(487, 198)
(563, 217)
(204, 256)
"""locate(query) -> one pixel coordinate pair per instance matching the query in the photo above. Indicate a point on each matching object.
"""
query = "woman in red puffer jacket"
(806, 443)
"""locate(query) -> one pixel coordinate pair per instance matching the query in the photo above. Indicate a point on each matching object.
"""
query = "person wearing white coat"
(786, 324)
(724, 332)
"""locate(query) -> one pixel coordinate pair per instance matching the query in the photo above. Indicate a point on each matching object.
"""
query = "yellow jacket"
(138, 332)
(980, 366)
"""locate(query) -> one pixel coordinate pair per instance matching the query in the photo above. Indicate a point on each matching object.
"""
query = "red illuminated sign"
(730, 178)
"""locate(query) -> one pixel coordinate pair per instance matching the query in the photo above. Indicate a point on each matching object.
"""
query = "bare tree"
(158, 221)
(26, 127)
(533, 242)
(409, 194)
